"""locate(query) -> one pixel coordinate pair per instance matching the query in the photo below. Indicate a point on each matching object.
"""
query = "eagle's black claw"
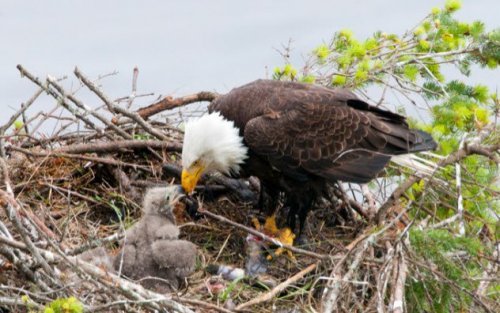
(191, 207)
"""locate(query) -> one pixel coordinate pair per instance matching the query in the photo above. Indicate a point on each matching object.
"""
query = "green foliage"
(411, 72)
(439, 39)
(338, 80)
(435, 247)
(322, 52)
(309, 79)
(412, 64)
(287, 72)
(143, 136)
(452, 5)
(64, 305)
(18, 125)
(226, 294)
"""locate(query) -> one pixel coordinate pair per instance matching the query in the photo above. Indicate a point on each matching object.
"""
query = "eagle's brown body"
(302, 137)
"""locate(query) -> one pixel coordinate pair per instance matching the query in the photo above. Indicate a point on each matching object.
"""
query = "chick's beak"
(190, 178)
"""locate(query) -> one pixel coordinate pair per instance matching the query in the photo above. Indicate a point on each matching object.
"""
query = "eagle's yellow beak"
(190, 177)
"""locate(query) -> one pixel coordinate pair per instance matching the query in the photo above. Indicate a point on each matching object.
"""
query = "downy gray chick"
(152, 252)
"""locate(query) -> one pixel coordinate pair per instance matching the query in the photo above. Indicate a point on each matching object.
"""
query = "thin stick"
(16, 302)
(263, 236)
(82, 106)
(96, 243)
(13, 118)
(127, 288)
(370, 200)
(460, 201)
(107, 160)
(169, 103)
(278, 289)
(399, 291)
(490, 271)
(132, 96)
(450, 159)
(115, 108)
(45, 86)
(116, 146)
(204, 304)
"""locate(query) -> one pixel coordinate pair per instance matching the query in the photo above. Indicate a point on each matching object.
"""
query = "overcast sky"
(186, 46)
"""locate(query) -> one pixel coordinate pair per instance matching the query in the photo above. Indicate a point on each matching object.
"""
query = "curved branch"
(450, 159)
(169, 103)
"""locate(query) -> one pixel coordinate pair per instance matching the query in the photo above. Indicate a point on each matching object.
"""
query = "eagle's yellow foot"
(284, 235)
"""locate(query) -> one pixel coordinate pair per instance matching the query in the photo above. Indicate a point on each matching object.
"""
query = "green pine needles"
(446, 265)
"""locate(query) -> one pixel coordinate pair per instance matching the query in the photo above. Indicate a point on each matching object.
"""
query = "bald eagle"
(296, 138)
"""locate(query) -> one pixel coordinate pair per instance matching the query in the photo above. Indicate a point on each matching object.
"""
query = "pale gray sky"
(186, 46)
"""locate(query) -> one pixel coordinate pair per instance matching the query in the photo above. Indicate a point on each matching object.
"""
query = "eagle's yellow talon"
(256, 223)
(270, 226)
(284, 235)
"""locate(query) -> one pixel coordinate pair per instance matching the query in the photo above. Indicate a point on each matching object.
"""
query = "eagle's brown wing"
(350, 142)
(304, 129)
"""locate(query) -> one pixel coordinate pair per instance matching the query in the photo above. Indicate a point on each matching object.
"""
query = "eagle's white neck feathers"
(215, 142)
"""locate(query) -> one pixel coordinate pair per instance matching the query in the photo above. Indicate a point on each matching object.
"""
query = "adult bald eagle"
(296, 138)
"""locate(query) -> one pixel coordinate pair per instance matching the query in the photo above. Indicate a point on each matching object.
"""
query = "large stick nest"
(81, 186)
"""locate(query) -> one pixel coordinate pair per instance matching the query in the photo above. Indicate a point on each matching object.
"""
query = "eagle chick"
(152, 251)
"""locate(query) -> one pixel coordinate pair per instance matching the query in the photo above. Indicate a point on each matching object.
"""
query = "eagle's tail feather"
(425, 142)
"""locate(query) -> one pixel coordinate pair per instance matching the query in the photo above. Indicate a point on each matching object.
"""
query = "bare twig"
(116, 146)
(262, 236)
(62, 100)
(129, 289)
(96, 243)
(460, 202)
(12, 208)
(490, 271)
(132, 96)
(268, 296)
(82, 106)
(169, 103)
(115, 108)
(204, 304)
(332, 291)
(15, 116)
(106, 160)
(450, 159)
(17, 302)
(399, 288)
(370, 200)
(336, 281)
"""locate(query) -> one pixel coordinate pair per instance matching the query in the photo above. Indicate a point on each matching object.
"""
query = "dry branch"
(82, 106)
(61, 198)
(268, 296)
(127, 288)
(450, 159)
(399, 287)
(106, 160)
(115, 108)
(14, 117)
(262, 236)
(61, 100)
(169, 103)
(118, 146)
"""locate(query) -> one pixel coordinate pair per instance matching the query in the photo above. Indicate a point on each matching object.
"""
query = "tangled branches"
(78, 188)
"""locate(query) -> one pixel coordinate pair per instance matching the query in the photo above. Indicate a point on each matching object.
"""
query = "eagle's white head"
(211, 143)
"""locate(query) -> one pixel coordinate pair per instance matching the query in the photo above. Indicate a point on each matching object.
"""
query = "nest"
(75, 190)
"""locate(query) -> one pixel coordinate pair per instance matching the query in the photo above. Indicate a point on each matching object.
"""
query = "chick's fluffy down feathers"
(152, 252)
